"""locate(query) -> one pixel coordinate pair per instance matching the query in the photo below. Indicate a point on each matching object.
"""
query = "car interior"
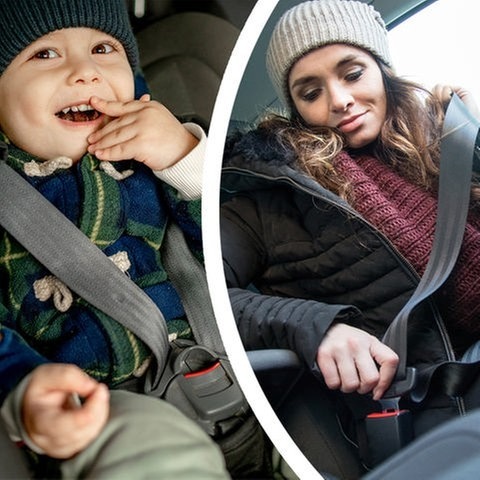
(184, 48)
(281, 375)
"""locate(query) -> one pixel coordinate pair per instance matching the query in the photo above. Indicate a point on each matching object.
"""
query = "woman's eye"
(103, 48)
(45, 54)
(310, 95)
(351, 77)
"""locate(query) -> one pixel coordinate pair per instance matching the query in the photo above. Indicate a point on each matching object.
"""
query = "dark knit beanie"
(24, 21)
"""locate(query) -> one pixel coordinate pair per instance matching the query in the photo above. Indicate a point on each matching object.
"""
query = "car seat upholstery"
(183, 57)
(447, 452)
(11, 459)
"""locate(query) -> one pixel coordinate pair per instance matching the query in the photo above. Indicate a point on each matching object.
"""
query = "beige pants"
(147, 438)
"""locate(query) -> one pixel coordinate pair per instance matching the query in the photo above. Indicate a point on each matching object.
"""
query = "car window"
(439, 45)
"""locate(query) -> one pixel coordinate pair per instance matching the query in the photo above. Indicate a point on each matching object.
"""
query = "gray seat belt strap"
(72, 257)
(189, 278)
(457, 149)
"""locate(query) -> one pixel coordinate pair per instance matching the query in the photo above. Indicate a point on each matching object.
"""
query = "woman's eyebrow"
(346, 60)
(302, 81)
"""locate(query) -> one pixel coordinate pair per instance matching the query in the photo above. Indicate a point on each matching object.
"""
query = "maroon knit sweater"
(406, 215)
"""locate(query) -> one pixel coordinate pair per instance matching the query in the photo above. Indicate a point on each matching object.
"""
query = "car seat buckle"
(213, 391)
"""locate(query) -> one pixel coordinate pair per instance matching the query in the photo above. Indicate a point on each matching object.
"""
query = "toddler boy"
(120, 168)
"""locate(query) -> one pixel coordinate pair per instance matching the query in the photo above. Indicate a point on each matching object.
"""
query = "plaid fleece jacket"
(41, 320)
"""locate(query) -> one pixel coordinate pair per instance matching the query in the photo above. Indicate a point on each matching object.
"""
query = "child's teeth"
(84, 107)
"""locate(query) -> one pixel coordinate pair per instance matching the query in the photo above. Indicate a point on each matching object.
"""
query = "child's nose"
(84, 71)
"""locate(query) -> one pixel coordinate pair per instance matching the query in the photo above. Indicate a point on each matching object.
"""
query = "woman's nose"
(340, 98)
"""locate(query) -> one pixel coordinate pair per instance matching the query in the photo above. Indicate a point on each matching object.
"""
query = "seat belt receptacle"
(213, 392)
(387, 432)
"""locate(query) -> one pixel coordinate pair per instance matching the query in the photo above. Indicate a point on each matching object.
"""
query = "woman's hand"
(143, 130)
(51, 418)
(443, 93)
(355, 361)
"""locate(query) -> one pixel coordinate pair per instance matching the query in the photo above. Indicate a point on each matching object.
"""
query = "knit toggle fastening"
(50, 287)
(43, 169)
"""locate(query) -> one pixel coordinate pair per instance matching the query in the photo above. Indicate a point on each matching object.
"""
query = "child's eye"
(351, 77)
(103, 48)
(45, 54)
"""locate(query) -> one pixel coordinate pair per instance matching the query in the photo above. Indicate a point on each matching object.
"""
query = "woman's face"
(340, 86)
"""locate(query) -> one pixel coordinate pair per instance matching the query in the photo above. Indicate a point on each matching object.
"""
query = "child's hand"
(444, 92)
(142, 130)
(51, 418)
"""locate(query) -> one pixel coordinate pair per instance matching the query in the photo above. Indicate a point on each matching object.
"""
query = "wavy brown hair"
(408, 141)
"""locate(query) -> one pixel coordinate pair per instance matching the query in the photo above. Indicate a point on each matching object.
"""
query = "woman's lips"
(351, 123)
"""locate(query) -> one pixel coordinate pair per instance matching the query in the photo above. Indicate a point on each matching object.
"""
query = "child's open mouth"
(79, 113)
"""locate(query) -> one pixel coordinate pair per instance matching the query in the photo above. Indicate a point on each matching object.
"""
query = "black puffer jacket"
(311, 260)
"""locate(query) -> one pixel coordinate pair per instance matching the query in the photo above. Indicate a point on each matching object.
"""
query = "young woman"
(331, 209)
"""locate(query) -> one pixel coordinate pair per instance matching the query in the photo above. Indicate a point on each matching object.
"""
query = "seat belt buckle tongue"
(402, 386)
(387, 431)
(213, 392)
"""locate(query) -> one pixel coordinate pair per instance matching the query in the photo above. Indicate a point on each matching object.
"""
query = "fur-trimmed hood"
(257, 146)
(255, 159)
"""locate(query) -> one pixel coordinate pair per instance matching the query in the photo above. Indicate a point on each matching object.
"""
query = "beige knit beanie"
(316, 23)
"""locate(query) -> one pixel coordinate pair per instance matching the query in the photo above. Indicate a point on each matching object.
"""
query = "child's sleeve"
(186, 175)
(17, 358)
(12, 416)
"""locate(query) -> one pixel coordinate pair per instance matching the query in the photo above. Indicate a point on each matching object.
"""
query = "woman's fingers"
(352, 360)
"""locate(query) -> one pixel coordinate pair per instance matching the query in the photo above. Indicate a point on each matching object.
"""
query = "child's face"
(43, 89)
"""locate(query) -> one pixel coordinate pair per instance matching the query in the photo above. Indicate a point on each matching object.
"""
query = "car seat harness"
(195, 376)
